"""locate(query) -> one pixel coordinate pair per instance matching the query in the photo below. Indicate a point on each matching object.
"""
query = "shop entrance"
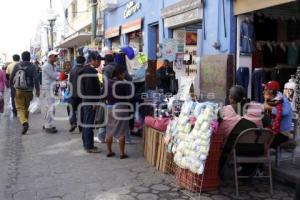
(268, 47)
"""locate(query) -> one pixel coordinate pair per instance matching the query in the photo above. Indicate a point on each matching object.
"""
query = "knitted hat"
(290, 85)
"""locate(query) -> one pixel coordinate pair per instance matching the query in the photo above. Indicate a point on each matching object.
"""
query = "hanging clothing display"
(269, 55)
(258, 58)
(293, 54)
(247, 37)
(282, 27)
(242, 77)
(258, 79)
(281, 54)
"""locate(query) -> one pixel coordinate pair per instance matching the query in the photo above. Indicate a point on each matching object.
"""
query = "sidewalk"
(40, 166)
(287, 173)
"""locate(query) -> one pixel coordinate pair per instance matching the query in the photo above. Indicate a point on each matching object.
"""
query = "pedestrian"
(118, 118)
(3, 84)
(75, 100)
(164, 76)
(9, 70)
(24, 79)
(49, 78)
(90, 94)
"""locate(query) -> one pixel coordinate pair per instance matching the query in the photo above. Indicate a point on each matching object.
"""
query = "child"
(279, 109)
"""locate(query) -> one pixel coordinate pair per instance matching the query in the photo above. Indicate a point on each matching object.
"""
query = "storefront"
(137, 25)
(184, 22)
(267, 43)
(112, 36)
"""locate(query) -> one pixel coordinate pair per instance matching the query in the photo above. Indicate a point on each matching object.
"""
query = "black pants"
(278, 140)
(75, 102)
(13, 95)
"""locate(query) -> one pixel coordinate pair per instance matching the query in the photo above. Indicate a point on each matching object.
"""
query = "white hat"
(290, 85)
(53, 53)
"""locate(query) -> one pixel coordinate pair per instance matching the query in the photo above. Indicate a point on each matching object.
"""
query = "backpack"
(20, 79)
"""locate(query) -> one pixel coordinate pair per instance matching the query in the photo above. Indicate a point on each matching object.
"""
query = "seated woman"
(279, 109)
(231, 114)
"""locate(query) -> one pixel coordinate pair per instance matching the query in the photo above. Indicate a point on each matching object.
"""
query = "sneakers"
(72, 129)
(25, 128)
(50, 130)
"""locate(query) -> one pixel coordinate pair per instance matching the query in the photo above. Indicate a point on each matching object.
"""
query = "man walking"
(75, 100)
(24, 79)
(49, 78)
(9, 70)
(90, 92)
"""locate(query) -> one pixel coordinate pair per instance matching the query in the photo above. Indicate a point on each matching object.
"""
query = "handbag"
(159, 124)
(100, 116)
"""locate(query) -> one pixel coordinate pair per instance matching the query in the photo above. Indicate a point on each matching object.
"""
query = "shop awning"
(245, 6)
(112, 32)
(132, 26)
(76, 40)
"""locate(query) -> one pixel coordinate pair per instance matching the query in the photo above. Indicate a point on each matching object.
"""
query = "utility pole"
(94, 20)
(51, 20)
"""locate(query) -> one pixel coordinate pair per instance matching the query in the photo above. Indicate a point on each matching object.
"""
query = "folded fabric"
(142, 58)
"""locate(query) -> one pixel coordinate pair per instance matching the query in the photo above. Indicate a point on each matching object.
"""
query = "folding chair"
(292, 157)
(253, 139)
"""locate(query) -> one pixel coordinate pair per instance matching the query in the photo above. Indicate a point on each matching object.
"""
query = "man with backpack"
(24, 79)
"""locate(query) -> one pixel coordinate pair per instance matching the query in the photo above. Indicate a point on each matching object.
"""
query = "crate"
(210, 180)
(155, 151)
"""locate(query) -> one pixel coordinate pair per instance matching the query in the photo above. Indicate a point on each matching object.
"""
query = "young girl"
(117, 104)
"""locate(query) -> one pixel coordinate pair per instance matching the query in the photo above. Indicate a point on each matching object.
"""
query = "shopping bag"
(35, 106)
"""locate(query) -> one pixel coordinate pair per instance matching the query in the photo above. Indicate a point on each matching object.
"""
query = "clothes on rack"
(293, 54)
(242, 77)
(258, 79)
(247, 37)
(281, 54)
(258, 58)
(282, 75)
(269, 55)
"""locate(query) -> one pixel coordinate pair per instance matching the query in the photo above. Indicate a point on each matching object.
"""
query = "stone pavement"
(41, 166)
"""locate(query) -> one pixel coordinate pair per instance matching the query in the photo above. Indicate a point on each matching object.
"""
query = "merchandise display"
(191, 144)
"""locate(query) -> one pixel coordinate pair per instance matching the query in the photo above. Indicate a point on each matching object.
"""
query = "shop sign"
(131, 8)
(131, 26)
(180, 7)
(184, 18)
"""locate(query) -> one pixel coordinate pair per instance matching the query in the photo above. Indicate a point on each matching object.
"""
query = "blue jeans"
(102, 134)
(88, 132)
(258, 78)
(242, 77)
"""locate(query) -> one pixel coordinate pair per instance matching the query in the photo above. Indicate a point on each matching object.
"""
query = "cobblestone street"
(41, 166)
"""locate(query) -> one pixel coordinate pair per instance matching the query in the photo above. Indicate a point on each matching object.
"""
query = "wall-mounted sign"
(131, 8)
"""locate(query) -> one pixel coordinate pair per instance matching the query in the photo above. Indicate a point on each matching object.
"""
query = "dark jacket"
(164, 76)
(90, 86)
(32, 75)
(73, 80)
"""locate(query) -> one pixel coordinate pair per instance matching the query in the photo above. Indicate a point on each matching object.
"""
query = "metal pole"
(50, 3)
(94, 20)
(51, 33)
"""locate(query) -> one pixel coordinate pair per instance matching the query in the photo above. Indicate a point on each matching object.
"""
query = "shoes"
(25, 128)
(93, 150)
(72, 129)
(109, 155)
(50, 130)
(291, 144)
(124, 156)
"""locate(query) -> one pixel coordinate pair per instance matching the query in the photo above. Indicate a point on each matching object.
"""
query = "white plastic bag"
(35, 106)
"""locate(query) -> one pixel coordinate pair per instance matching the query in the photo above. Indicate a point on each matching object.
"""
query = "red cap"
(272, 85)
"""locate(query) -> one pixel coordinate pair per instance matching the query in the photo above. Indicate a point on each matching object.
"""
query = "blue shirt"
(287, 115)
